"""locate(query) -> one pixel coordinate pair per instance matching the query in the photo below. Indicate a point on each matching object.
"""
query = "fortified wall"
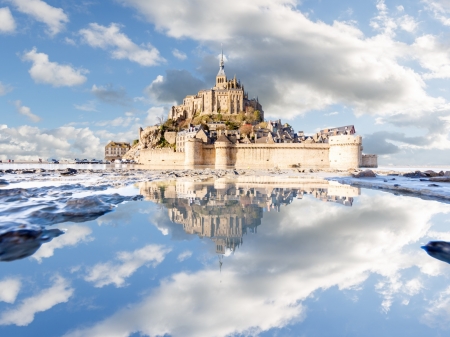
(342, 152)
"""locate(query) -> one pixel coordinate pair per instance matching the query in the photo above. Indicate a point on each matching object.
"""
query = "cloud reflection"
(304, 248)
(24, 313)
(110, 272)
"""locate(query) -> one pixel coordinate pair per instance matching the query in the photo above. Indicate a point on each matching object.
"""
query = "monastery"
(231, 133)
(226, 97)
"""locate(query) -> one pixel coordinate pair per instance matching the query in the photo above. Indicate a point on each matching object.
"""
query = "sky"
(75, 75)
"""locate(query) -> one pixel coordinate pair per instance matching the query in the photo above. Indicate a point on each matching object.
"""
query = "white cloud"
(115, 273)
(29, 143)
(7, 23)
(4, 89)
(70, 41)
(407, 23)
(179, 54)
(89, 106)
(9, 288)
(120, 46)
(44, 71)
(26, 111)
(119, 121)
(438, 311)
(23, 314)
(433, 56)
(53, 17)
(305, 257)
(306, 65)
(3, 126)
(184, 255)
(440, 10)
(74, 234)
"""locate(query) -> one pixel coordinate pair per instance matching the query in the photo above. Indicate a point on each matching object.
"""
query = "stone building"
(226, 97)
(115, 150)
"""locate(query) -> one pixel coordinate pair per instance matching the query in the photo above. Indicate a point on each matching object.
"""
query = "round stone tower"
(223, 153)
(345, 152)
(193, 152)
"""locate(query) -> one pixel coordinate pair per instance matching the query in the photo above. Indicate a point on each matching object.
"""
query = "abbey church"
(226, 97)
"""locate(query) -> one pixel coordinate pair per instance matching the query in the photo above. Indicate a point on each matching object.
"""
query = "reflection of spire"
(220, 263)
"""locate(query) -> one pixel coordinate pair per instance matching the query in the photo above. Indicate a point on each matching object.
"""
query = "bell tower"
(221, 78)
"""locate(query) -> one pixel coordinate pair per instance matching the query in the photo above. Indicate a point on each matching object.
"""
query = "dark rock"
(20, 241)
(68, 172)
(433, 185)
(431, 173)
(441, 173)
(365, 174)
(3, 182)
(440, 250)
(396, 185)
(416, 174)
(422, 179)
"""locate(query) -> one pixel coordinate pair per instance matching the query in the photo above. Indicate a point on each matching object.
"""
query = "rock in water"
(68, 172)
(365, 174)
(3, 182)
(439, 250)
(18, 242)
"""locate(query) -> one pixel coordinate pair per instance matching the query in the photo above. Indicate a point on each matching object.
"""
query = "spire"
(222, 66)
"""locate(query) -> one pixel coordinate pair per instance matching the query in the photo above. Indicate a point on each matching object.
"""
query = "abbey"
(226, 97)
(223, 128)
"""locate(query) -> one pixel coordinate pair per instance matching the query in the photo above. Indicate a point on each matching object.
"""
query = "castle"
(226, 97)
(231, 133)
(225, 213)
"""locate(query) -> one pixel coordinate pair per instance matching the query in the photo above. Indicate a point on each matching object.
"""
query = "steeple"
(222, 66)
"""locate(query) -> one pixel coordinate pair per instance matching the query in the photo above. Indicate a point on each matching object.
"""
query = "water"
(202, 260)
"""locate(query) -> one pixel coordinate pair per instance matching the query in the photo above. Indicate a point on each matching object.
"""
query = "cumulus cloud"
(26, 111)
(120, 46)
(184, 255)
(28, 143)
(174, 86)
(9, 289)
(179, 54)
(24, 313)
(440, 9)
(433, 55)
(44, 71)
(116, 273)
(4, 89)
(108, 94)
(305, 257)
(74, 235)
(306, 65)
(7, 23)
(53, 17)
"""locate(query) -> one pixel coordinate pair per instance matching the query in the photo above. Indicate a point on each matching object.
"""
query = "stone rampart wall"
(369, 160)
(161, 158)
(279, 155)
(343, 152)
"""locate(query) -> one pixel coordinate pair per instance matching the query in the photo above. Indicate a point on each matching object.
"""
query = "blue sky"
(74, 75)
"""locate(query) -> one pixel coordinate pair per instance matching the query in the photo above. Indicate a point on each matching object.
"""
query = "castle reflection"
(225, 212)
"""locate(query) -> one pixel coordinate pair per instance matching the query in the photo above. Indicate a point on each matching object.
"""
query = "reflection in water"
(20, 242)
(225, 212)
(439, 250)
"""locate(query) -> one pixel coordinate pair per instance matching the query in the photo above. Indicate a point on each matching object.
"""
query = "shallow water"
(198, 260)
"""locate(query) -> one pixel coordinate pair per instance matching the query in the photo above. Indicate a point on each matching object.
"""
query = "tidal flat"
(129, 252)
